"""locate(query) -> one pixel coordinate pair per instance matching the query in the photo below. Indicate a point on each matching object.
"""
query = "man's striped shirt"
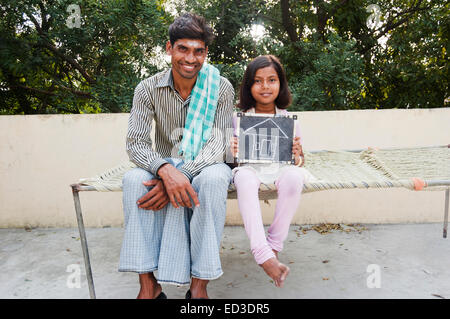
(155, 98)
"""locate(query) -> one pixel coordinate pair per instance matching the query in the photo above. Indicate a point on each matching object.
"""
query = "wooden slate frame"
(240, 159)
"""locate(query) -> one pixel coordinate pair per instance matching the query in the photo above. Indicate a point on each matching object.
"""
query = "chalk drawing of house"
(265, 137)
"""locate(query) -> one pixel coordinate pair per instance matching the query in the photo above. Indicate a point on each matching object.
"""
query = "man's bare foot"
(150, 289)
(198, 288)
(276, 270)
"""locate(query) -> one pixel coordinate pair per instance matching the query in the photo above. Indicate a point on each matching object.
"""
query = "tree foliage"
(334, 60)
(49, 66)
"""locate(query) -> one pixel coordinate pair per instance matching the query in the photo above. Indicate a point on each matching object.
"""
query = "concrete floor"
(412, 260)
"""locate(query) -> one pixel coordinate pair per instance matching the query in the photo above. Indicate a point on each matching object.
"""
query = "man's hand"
(156, 198)
(177, 187)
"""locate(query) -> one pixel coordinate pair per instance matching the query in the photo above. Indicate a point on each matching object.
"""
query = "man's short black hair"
(246, 100)
(190, 26)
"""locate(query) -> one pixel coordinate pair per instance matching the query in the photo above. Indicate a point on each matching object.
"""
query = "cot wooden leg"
(446, 212)
(87, 263)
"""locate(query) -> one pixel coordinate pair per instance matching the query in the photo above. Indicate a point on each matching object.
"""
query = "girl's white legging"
(289, 186)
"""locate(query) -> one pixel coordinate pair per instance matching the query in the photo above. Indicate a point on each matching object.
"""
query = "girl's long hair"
(246, 100)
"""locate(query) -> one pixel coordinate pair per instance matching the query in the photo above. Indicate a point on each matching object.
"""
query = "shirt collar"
(166, 80)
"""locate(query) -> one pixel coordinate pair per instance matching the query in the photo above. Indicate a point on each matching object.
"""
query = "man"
(175, 207)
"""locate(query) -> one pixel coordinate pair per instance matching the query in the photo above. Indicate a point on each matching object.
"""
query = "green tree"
(333, 59)
(413, 70)
(49, 65)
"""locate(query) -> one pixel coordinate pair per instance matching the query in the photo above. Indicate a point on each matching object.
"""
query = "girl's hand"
(234, 146)
(297, 151)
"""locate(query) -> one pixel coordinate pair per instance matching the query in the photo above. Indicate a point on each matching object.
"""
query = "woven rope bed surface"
(371, 168)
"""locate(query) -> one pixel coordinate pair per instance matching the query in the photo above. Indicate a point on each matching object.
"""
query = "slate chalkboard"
(265, 138)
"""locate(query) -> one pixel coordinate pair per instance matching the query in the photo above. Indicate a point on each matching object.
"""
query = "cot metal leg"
(446, 212)
(87, 263)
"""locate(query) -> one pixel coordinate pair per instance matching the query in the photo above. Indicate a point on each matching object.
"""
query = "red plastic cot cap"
(419, 184)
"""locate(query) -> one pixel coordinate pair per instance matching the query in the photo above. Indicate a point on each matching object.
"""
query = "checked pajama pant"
(176, 242)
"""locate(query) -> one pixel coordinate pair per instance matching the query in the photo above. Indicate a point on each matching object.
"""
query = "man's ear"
(168, 48)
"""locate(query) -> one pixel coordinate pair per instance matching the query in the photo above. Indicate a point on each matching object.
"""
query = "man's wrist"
(163, 169)
(156, 165)
(186, 173)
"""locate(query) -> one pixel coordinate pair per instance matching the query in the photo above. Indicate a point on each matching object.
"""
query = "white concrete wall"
(41, 155)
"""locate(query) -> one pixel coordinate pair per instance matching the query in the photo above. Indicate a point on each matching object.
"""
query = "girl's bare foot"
(275, 270)
(284, 269)
(284, 272)
(275, 252)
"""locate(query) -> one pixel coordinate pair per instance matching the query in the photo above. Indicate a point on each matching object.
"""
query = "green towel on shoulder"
(201, 112)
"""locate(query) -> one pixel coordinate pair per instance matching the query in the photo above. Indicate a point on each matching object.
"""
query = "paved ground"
(412, 261)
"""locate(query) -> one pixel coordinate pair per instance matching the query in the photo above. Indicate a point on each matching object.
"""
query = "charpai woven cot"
(423, 168)
(371, 168)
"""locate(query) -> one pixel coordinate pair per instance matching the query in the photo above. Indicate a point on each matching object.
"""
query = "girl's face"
(266, 87)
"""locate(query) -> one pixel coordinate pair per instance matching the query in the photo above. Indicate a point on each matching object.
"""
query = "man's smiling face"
(187, 56)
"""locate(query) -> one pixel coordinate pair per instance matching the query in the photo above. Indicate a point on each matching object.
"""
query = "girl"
(264, 89)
